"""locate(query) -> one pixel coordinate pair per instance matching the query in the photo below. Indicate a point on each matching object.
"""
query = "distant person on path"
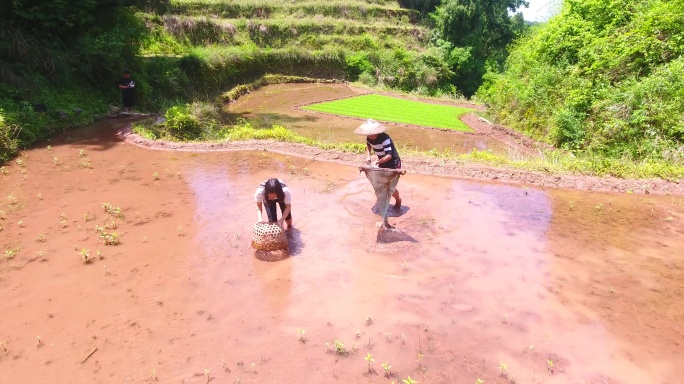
(267, 195)
(127, 87)
(378, 142)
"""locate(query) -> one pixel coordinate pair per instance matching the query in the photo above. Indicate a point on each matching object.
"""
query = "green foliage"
(474, 34)
(8, 140)
(603, 77)
(394, 109)
(181, 124)
(357, 64)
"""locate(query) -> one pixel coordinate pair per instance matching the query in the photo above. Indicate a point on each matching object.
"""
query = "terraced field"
(229, 42)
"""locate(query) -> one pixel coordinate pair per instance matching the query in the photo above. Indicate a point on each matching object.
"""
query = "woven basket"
(268, 237)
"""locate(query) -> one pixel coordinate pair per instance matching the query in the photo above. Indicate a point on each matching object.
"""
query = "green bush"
(357, 63)
(603, 77)
(8, 141)
(181, 124)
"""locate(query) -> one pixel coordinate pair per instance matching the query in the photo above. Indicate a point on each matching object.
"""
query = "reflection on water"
(496, 272)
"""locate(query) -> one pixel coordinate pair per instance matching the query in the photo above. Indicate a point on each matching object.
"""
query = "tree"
(474, 34)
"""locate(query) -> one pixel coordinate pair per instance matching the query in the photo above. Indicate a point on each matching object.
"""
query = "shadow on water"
(294, 237)
(391, 212)
(393, 235)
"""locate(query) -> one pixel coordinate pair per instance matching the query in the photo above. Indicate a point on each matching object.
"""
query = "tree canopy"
(474, 34)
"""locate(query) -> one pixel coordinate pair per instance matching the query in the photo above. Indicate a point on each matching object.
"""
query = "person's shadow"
(294, 240)
(391, 212)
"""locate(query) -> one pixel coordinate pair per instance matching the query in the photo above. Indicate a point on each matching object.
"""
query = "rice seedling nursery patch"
(397, 110)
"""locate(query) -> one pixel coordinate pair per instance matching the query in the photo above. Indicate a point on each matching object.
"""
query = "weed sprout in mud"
(409, 380)
(301, 337)
(85, 254)
(386, 367)
(502, 368)
(369, 358)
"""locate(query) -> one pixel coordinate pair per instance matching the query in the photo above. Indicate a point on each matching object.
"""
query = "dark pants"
(392, 164)
(272, 211)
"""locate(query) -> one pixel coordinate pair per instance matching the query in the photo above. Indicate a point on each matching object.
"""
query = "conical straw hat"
(370, 127)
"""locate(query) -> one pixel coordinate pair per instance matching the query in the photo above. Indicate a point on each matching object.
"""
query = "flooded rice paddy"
(276, 104)
(548, 286)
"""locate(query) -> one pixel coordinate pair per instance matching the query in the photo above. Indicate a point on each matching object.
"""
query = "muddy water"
(275, 104)
(560, 286)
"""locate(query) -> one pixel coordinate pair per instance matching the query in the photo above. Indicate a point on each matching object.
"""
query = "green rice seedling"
(100, 255)
(106, 271)
(409, 380)
(340, 348)
(369, 321)
(388, 336)
(502, 368)
(81, 153)
(12, 253)
(479, 381)
(206, 373)
(64, 223)
(180, 230)
(153, 377)
(178, 175)
(40, 237)
(86, 164)
(41, 255)
(12, 199)
(4, 171)
(56, 161)
(2, 344)
(85, 254)
(19, 162)
(155, 176)
(369, 359)
(21, 223)
(49, 148)
(405, 265)
(40, 196)
(358, 333)
(252, 367)
(110, 238)
(300, 335)
(386, 367)
(40, 342)
(550, 366)
(122, 169)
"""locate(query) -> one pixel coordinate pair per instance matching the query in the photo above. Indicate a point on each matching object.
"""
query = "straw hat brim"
(370, 127)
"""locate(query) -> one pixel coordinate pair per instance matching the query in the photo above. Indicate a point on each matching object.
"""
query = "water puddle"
(561, 286)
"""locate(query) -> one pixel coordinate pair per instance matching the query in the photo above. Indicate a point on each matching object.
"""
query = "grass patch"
(396, 110)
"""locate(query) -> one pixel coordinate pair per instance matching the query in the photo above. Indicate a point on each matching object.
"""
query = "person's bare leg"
(397, 204)
(289, 223)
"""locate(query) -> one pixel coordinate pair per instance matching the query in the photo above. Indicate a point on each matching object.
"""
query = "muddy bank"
(428, 166)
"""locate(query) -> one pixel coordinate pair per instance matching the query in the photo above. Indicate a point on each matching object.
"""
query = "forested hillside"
(60, 61)
(604, 77)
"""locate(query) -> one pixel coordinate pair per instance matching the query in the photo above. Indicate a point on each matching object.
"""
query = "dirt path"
(432, 166)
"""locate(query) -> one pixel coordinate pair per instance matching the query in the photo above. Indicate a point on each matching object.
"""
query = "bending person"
(270, 194)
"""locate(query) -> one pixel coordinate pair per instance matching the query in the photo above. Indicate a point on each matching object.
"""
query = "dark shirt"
(383, 145)
(128, 94)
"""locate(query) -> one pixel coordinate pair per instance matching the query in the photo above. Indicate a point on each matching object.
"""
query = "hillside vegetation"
(604, 77)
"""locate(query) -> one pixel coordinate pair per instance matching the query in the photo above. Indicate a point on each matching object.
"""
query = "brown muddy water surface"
(275, 104)
(560, 286)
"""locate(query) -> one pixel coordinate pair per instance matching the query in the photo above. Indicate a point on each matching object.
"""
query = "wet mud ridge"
(426, 165)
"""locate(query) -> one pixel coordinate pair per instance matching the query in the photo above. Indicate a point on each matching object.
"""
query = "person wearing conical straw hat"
(380, 143)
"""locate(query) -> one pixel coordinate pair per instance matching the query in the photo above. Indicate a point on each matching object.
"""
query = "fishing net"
(268, 237)
(384, 182)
